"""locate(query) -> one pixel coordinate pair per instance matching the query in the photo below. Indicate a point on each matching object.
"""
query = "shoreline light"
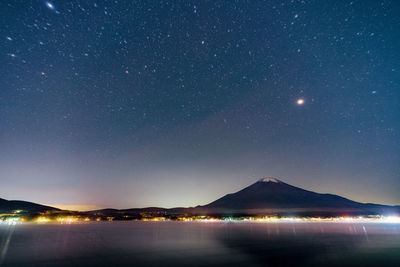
(256, 219)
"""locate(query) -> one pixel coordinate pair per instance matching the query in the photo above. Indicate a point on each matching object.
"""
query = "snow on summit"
(269, 179)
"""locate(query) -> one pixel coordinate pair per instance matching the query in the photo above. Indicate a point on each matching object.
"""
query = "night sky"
(176, 103)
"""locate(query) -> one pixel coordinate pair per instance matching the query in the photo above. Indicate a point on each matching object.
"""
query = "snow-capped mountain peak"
(269, 180)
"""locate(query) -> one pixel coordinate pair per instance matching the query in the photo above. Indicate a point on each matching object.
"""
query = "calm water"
(200, 244)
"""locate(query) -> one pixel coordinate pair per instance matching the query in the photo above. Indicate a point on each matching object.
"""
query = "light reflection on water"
(200, 244)
(5, 242)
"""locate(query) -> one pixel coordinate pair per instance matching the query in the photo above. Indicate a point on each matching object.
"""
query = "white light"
(392, 219)
(300, 101)
(49, 5)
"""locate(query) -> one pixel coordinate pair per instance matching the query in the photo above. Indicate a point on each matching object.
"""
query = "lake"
(200, 244)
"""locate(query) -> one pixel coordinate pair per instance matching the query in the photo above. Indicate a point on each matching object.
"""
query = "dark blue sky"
(175, 103)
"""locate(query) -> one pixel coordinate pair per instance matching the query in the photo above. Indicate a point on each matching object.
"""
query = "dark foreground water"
(200, 244)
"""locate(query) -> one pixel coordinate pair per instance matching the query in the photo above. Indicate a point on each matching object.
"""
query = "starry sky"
(176, 103)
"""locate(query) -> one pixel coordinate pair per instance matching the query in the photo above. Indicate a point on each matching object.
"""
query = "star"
(50, 5)
(300, 101)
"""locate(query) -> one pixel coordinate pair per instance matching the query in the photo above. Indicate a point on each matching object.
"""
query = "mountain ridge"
(267, 195)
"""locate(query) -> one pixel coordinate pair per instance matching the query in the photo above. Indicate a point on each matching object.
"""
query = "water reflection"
(5, 241)
(304, 244)
(200, 244)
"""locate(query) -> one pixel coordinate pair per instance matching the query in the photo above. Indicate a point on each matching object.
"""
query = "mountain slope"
(271, 194)
(8, 206)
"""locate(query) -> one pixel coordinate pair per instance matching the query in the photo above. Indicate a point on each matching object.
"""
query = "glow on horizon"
(77, 207)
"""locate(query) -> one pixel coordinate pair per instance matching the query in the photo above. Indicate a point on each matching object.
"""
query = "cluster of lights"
(69, 219)
(11, 221)
(74, 219)
(201, 219)
(359, 219)
(42, 219)
(154, 219)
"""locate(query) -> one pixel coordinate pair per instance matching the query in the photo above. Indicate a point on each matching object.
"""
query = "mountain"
(270, 195)
(9, 206)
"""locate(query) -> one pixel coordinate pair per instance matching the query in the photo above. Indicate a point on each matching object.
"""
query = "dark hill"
(9, 206)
